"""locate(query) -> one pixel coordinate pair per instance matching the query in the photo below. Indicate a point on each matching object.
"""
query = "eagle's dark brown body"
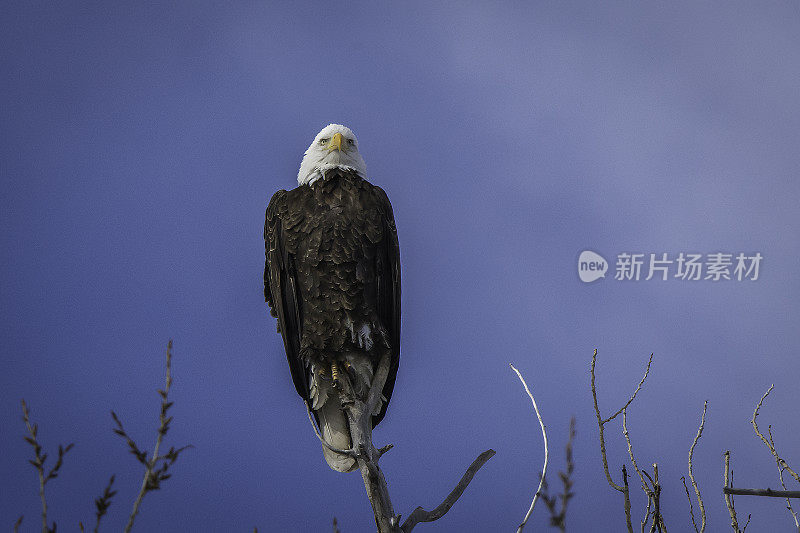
(332, 279)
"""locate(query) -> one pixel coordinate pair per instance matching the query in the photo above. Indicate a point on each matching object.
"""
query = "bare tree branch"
(728, 498)
(359, 417)
(762, 492)
(421, 515)
(544, 437)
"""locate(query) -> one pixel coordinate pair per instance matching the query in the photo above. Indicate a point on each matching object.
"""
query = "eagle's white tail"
(333, 424)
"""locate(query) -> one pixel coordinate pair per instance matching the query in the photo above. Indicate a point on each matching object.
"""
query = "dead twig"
(691, 476)
(558, 518)
(601, 422)
(38, 464)
(103, 502)
(770, 445)
(729, 503)
(544, 437)
(762, 492)
(645, 486)
(153, 473)
(421, 515)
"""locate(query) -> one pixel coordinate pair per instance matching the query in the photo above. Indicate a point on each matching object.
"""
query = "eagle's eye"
(351, 142)
(323, 141)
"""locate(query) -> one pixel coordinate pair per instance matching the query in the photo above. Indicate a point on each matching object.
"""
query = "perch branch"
(544, 437)
(359, 417)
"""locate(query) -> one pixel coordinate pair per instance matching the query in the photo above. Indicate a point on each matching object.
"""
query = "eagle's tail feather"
(333, 423)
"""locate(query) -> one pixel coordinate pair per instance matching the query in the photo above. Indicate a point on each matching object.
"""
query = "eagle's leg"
(340, 380)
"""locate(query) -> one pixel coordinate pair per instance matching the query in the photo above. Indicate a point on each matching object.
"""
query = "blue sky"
(141, 144)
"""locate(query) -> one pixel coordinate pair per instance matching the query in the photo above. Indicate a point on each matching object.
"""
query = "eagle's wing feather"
(388, 270)
(280, 290)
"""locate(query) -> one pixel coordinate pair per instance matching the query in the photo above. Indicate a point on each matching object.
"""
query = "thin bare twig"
(645, 486)
(783, 484)
(544, 437)
(689, 498)
(38, 464)
(691, 475)
(103, 502)
(633, 396)
(601, 422)
(781, 463)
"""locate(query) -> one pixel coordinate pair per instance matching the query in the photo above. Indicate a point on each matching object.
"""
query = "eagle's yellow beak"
(336, 143)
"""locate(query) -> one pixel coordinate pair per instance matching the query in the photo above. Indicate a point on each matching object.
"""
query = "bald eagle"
(332, 279)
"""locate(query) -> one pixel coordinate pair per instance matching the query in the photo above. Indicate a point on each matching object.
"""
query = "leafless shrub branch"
(558, 516)
(103, 502)
(38, 464)
(157, 466)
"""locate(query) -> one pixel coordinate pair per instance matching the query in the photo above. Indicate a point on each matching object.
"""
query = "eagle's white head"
(334, 147)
